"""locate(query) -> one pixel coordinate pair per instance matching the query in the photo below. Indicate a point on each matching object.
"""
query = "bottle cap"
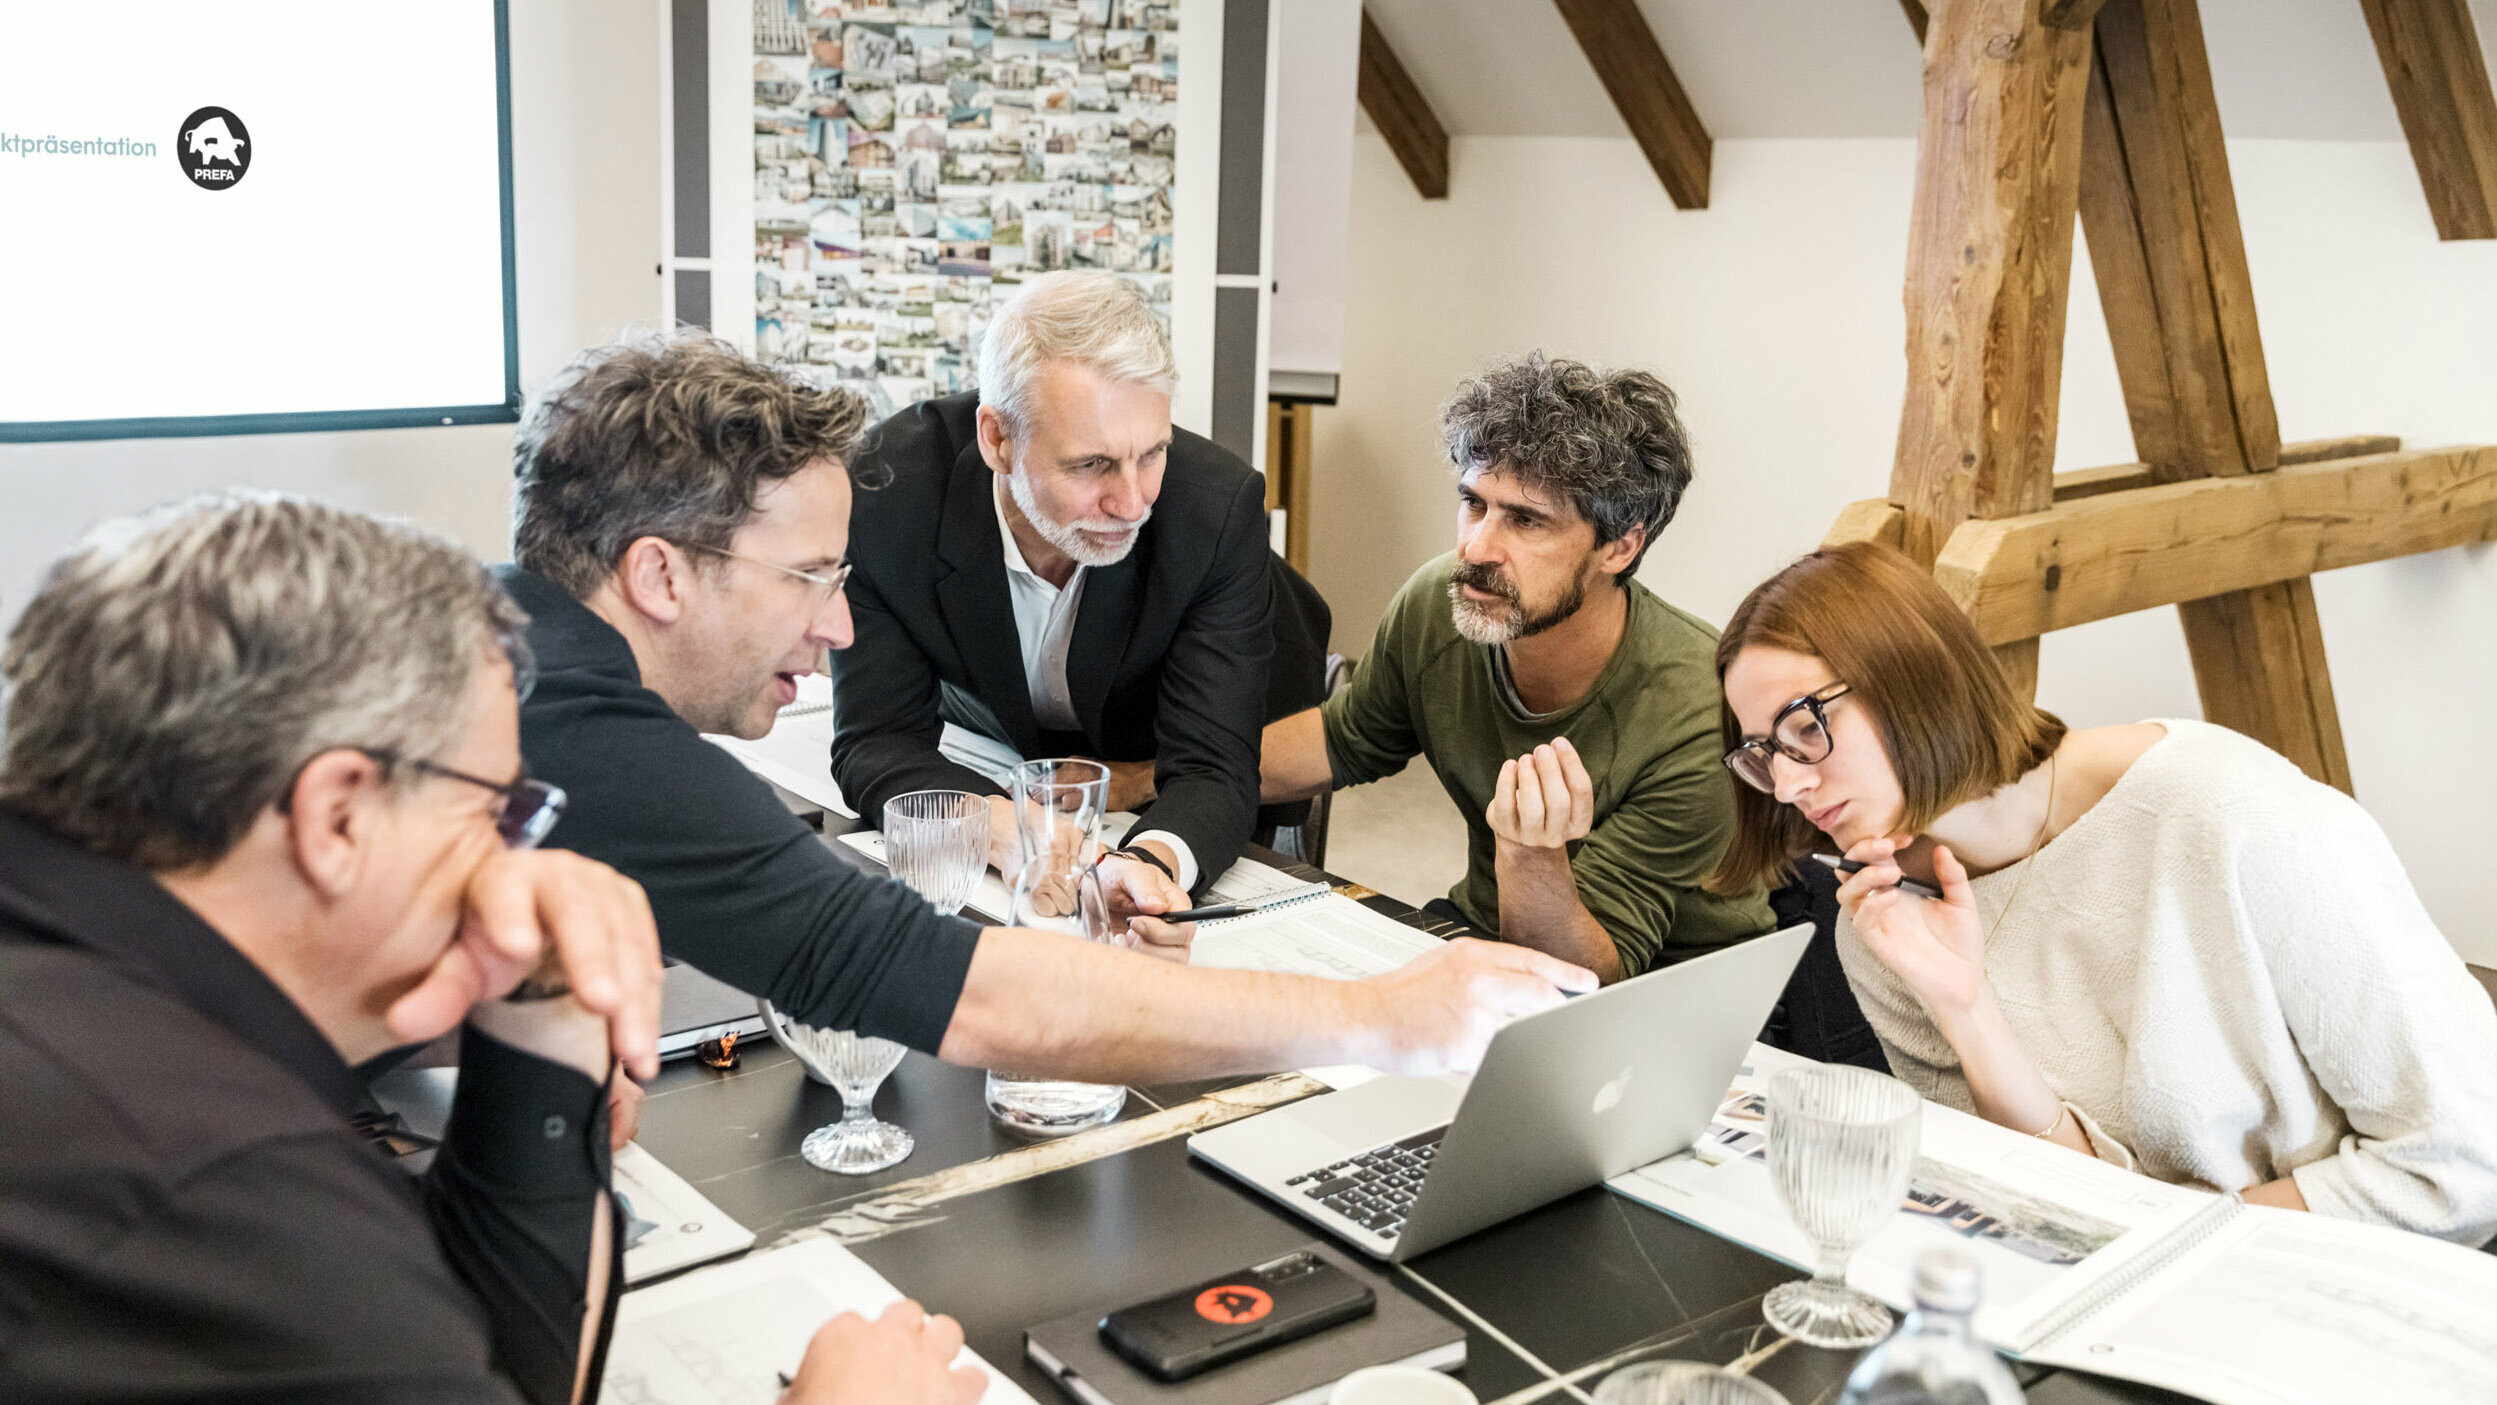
(1947, 1280)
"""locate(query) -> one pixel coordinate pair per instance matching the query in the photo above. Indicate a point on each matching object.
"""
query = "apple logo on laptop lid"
(1608, 1097)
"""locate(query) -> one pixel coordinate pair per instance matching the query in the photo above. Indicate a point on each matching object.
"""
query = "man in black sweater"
(683, 540)
(1049, 563)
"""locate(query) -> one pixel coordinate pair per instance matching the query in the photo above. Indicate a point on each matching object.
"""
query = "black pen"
(1922, 890)
(1204, 914)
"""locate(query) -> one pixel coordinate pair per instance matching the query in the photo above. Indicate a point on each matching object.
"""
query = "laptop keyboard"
(1376, 1188)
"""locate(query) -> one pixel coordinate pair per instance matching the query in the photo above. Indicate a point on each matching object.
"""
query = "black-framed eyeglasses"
(1799, 732)
(828, 583)
(530, 806)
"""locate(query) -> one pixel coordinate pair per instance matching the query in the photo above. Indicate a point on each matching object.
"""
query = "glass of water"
(1682, 1383)
(937, 842)
(1058, 807)
(1842, 1146)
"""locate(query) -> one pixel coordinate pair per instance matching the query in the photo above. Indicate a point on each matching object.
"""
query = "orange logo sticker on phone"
(1234, 1304)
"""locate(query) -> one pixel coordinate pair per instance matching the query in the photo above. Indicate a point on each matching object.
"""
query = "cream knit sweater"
(2222, 969)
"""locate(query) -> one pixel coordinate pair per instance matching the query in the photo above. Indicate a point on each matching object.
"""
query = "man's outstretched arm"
(1047, 1003)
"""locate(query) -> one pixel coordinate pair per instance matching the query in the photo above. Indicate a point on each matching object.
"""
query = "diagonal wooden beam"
(1917, 18)
(1401, 113)
(1632, 66)
(2160, 213)
(2432, 61)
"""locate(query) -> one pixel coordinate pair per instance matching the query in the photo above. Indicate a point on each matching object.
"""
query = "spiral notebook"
(2101, 1270)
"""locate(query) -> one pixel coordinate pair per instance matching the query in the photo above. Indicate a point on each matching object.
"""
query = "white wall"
(585, 195)
(1777, 315)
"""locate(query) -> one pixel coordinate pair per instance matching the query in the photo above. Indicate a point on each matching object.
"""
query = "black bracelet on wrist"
(1144, 855)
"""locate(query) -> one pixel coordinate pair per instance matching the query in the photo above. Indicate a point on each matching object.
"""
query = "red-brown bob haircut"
(1950, 722)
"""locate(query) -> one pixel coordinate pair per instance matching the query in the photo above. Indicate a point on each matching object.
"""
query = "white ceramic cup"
(1399, 1385)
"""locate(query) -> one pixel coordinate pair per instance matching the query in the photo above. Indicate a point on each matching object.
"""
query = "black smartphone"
(1221, 1319)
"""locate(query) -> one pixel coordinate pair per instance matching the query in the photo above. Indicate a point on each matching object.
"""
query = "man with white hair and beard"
(1054, 566)
(1570, 713)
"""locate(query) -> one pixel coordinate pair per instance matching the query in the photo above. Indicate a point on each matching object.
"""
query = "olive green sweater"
(1647, 731)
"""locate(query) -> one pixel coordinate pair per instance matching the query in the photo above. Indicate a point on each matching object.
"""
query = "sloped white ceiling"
(2284, 69)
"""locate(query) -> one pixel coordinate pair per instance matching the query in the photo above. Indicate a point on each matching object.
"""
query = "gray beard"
(1508, 621)
(1066, 538)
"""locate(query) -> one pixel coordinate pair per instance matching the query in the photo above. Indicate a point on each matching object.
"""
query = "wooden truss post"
(1989, 267)
(2161, 216)
(2431, 55)
(2221, 519)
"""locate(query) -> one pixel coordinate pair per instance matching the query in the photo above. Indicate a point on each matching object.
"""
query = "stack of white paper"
(726, 1335)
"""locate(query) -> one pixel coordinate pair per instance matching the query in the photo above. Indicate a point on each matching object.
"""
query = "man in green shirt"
(1570, 714)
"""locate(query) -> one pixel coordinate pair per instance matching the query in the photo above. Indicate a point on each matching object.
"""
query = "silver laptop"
(1563, 1099)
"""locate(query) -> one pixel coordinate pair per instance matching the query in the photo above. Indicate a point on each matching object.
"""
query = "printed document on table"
(2275, 1307)
(1247, 880)
(669, 1224)
(725, 1336)
(2034, 1216)
(1332, 936)
(2111, 1272)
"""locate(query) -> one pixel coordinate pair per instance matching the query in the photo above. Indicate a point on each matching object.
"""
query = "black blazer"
(1168, 662)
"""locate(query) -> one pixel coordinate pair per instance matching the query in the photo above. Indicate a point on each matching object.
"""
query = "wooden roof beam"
(1631, 65)
(2062, 14)
(2431, 56)
(1401, 113)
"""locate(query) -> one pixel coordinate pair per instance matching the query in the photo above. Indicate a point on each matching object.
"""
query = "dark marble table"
(1552, 1300)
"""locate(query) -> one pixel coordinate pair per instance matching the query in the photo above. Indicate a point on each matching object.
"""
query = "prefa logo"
(1234, 1304)
(214, 148)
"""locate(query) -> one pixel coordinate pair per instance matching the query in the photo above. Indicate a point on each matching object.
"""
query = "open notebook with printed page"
(2103, 1270)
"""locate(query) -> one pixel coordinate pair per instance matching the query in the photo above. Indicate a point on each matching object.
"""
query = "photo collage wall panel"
(914, 162)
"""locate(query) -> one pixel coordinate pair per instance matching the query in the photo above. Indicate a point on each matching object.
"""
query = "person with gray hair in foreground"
(1569, 712)
(263, 819)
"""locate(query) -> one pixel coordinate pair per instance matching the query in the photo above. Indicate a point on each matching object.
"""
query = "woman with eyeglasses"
(2160, 944)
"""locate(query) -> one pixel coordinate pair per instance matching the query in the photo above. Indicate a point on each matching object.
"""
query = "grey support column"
(689, 58)
(1239, 400)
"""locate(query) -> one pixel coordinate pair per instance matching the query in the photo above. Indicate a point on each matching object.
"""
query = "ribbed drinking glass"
(1842, 1145)
(937, 842)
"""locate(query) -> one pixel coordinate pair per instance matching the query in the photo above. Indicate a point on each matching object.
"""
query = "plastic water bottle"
(1934, 1358)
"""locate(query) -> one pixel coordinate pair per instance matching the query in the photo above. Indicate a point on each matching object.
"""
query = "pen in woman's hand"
(1922, 890)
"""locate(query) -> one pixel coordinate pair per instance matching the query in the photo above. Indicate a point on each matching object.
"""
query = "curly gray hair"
(1611, 444)
(178, 668)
